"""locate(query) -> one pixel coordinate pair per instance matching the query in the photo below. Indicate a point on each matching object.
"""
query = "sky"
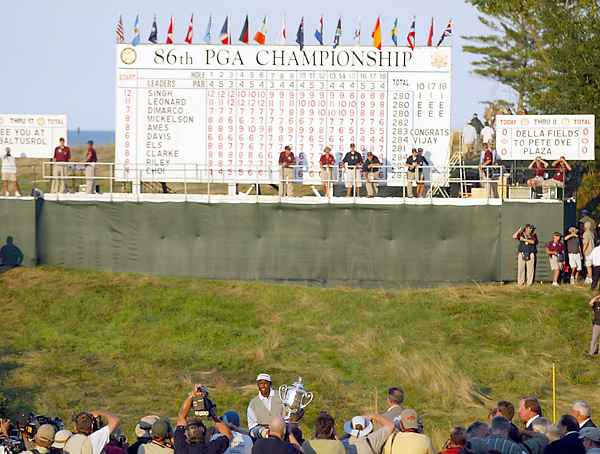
(59, 57)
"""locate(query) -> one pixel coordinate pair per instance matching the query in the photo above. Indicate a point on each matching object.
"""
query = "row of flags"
(261, 35)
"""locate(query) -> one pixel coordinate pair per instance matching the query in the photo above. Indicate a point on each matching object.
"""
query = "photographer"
(325, 440)
(86, 438)
(189, 438)
(43, 439)
(161, 434)
(279, 433)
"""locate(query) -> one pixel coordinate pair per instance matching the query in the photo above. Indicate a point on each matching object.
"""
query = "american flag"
(447, 32)
(411, 35)
(120, 33)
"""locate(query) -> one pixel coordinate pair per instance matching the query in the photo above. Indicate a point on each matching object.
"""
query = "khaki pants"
(90, 179)
(595, 337)
(286, 188)
(410, 176)
(60, 171)
(372, 188)
(327, 179)
(525, 268)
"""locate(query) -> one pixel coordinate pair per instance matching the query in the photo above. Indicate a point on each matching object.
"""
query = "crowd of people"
(272, 430)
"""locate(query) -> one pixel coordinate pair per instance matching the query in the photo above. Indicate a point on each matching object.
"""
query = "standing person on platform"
(90, 168)
(286, 169)
(421, 180)
(478, 125)
(575, 253)
(412, 174)
(327, 164)
(469, 136)
(526, 257)
(538, 165)
(9, 172)
(352, 163)
(486, 171)
(62, 155)
(558, 179)
(370, 171)
(487, 133)
(556, 253)
(489, 114)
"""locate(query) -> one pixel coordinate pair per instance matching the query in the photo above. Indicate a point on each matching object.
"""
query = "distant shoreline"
(75, 138)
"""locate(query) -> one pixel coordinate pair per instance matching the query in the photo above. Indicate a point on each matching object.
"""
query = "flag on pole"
(447, 32)
(377, 35)
(225, 33)
(430, 39)
(190, 34)
(394, 34)
(300, 34)
(153, 38)
(170, 34)
(120, 34)
(244, 34)
(411, 35)
(338, 33)
(261, 34)
(207, 34)
(136, 32)
(357, 33)
(319, 31)
(281, 37)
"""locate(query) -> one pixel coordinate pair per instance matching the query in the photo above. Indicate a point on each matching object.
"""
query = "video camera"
(28, 424)
(202, 404)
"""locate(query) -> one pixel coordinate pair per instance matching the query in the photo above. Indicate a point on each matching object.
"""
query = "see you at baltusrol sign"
(32, 136)
(549, 136)
(226, 112)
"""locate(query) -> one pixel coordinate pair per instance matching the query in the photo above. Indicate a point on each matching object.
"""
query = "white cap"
(264, 377)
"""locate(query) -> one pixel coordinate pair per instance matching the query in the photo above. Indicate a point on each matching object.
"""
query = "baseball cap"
(91, 142)
(288, 148)
(161, 428)
(45, 434)
(61, 438)
(359, 426)
(264, 377)
(232, 417)
(369, 154)
(584, 212)
(531, 226)
(62, 139)
(352, 145)
(409, 419)
(591, 433)
(572, 229)
(142, 428)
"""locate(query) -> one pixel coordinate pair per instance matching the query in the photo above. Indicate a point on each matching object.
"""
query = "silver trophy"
(294, 398)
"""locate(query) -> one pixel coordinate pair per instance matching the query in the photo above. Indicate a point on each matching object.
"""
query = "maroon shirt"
(286, 160)
(327, 160)
(560, 173)
(538, 171)
(91, 156)
(488, 156)
(62, 154)
(556, 247)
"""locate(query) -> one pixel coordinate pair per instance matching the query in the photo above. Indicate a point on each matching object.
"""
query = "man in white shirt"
(9, 172)
(264, 407)
(469, 140)
(529, 410)
(487, 133)
(80, 442)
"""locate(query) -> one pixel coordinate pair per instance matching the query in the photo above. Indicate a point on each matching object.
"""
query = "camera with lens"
(202, 404)
(97, 423)
(28, 424)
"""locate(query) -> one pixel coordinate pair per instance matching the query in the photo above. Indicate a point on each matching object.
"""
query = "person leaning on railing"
(90, 168)
(286, 165)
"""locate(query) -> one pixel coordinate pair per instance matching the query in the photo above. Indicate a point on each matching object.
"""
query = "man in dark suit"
(529, 410)
(582, 412)
(569, 443)
(394, 402)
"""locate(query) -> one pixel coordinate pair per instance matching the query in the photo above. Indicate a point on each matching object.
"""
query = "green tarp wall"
(18, 221)
(369, 246)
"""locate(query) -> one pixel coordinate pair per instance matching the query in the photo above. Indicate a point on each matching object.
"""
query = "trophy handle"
(282, 389)
(309, 396)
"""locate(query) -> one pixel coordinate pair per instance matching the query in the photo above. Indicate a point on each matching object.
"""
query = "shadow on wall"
(10, 256)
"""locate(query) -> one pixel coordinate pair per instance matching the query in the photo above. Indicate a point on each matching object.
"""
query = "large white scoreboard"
(225, 112)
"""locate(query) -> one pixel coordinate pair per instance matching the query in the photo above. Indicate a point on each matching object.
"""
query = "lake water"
(80, 138)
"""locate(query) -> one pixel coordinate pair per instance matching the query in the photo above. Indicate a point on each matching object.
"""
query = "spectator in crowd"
(370, 170)
(352, 162)
(62, 155)
(115, 443)
(287, 161)
(408, 440)
(161, 435)
(558, 179)
(526, 256)
(362, 439)
(538, 165)
(457, 440)
(575, 253)
(90, 168)
(582, 412)
(587, 245)
(489, 114)
(395, 401)
(529, 410)
(476, 445)
(595, 304)
(327, 164)
(43, 440)
(264, 407)
(535, 440)
(478, 125)
(324, 441)
(585, 217)
(569, 442)
(594, 259)
(412, 174)
(9, 172)
(276, 444)
(509, 111)
(143, 433)
(241, 442)
(478, 430)
(99, 439)
(498, 438)
(487, 133)
(189, 438)
(590, 438)
(507, 409)
(60, 439)
(469, 137)
(556, 255)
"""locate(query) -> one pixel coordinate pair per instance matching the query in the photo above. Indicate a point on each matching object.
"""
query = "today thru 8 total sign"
(224, 113)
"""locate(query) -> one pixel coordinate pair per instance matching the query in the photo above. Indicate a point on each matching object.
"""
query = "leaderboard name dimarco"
(265, 57)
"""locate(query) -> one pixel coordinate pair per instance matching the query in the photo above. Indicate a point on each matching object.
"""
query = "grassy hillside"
(134, 345)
